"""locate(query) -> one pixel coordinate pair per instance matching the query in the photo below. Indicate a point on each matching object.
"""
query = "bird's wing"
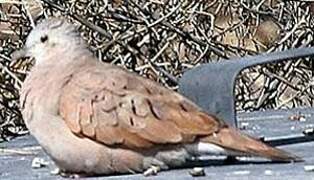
(115, 107)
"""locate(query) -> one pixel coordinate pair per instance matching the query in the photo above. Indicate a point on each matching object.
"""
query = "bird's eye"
(43, 38)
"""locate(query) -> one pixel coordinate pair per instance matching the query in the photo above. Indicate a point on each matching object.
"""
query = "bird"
(95, 118)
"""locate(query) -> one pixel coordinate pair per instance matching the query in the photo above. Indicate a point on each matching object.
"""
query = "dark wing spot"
(183, 107)
(148, 90)
(131, 121)
(133, 106)
(153, 110)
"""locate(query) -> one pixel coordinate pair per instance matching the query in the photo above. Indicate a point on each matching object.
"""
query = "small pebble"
(152, 171)
(297, 117)
(244, 125)
(309, 131)
(268, 172)
(197, 171)
(39, 163)
(309, 168)
(302, 119)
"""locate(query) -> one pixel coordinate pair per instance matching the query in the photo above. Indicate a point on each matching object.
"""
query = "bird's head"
(51, 35)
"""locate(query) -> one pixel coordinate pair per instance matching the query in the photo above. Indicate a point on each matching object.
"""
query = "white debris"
(308, 131)
(197, 171)
(39, 163)
(302, 119)
(309, 168)
(241, 172)
(244, 125)
(268, 172)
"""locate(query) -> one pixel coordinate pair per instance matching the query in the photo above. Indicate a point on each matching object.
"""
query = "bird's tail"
(232, 140)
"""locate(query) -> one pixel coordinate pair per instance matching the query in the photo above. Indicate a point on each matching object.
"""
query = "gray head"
(50, 35)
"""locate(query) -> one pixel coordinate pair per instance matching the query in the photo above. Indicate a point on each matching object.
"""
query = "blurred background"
(161, 39)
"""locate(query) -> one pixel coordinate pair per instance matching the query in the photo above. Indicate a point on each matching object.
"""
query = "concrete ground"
(16, 156)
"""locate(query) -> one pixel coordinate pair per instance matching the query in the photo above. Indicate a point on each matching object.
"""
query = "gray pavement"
(16, 155)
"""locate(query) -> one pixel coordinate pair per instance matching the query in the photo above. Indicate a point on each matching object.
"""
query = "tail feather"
(231, 139)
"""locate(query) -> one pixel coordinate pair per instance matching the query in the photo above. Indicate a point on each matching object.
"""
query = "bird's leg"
(230, 159)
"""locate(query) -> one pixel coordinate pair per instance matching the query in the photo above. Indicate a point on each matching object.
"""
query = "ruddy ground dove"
(96, 118)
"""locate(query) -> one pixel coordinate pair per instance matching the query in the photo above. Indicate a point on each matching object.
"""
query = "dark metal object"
(285, 140)
(211, 85)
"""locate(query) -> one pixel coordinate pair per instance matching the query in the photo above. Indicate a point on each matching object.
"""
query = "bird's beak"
(22, 53)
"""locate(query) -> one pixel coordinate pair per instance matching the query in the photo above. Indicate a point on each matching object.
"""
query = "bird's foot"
(58, 171)
(152, 171)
